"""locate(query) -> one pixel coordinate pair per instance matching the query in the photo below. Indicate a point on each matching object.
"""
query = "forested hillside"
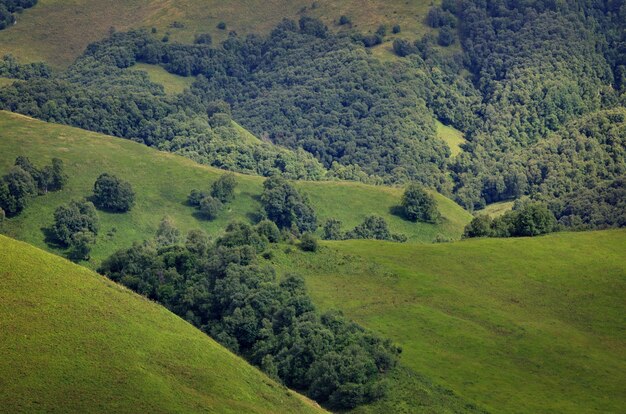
(526, 76)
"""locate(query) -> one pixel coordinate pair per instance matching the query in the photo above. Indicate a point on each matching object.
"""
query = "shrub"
(167, 234)
(447, 36)
(203, 39)
(76, 217)
(343, 20)
(332, 230)
(480, 226)
(195, 197)
(221, 25)
(224, 188)
(210, 207)
(286, 207)
(308, 242)
(111, 193)
(396, 29)
(269, 230)
(418, 205)
(80, 245)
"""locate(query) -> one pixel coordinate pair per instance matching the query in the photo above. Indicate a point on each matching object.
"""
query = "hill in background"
(57, 32)
(74, 341)
(162, 182)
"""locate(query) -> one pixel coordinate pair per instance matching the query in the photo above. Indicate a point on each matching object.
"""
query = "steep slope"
(57, 32)
(163, 181)
(72, 341)
(513, 325)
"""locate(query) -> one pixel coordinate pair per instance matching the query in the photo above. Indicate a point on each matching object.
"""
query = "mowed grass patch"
(172, 84)
(497, 209)
(532, 325)
(57, 31)
(74, 342)
(162, 182)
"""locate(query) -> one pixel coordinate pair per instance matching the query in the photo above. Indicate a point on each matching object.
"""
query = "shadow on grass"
(50, 238)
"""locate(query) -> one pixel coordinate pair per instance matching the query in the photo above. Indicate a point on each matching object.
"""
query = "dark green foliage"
(269, 230)
(343, 20)
(10, 68)
(447, 36)
(374, 227)
(197, 242)
(286, 207)
(313, 27)
(17, 187)
(480, 226)
(112, 194)
(438, 17)
(210, 207)
(80, 245)
(404, 48)
(418, 205)
(203, 39)
(308, 242)
(195, 197)
(221, 26)
(527, 219)
(2, 217)
(223, 290)
(224, 188)
(332, 230)
(50, 178)
(168, 234)
(76, 217)
(396, 29)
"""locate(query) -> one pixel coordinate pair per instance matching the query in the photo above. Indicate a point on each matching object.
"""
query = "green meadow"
(162, 182)
(74, 342)
(172, 84)
(452, 137)
(511, 325)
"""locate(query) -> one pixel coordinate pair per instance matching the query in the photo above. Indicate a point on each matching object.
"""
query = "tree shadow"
(50, 238)
(397, 211)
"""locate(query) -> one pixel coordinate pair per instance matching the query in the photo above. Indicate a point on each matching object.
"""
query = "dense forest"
(223, 288)
(537, 87)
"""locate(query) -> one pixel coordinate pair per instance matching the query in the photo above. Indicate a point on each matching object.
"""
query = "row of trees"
(25, 181)
(373, 227)
(222, 288)
(525, 220)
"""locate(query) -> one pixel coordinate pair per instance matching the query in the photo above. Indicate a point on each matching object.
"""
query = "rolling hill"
(163, 181)
(75, 342)
(57, 32)
(512, 325)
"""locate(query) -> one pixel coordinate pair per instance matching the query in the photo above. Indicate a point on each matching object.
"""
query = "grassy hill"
(512, 325)
(163, 181)
(74, 342)
(57, 31)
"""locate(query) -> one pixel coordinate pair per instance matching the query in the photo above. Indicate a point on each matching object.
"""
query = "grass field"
(74, 342)
(57, 31)
(172, 84)
(512, 325)
(163, 181)
(497, 209)
(452, 137)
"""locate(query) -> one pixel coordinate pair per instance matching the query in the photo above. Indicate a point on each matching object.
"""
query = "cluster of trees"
(222, 288)
(527, 219)
(373, 227)
(211, 203)
(8, 8)
(76, 226)
(111, 193)
(418, 205)
(25, 181)
(11, 68)
(286, 207)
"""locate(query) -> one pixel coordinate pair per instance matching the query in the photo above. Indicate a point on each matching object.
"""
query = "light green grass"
(513, 325)
(497, 209)
(452, 137)
(74, 342)
(6, 81)
(172, 84)
(57, 31)
(162, 182)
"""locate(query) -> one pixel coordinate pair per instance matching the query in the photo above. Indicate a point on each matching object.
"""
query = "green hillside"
(44, 32)
(75, 342)
(163, 181)
(513, 325)
(172, 84)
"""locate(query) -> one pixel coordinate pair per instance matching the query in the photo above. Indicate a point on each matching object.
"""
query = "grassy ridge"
(513, 325)
(163, 181)
(74, 342)
(57, 31)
